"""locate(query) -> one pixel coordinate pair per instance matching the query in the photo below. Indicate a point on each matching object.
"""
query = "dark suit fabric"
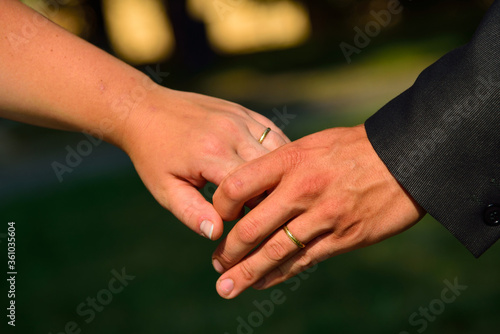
(441, 137)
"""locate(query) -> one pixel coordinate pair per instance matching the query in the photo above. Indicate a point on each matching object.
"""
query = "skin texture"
(177, 141)
(330, 188)
(176, 153)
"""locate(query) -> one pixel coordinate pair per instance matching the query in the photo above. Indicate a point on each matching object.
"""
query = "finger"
(216, 170)
(271, 254)
(251, 149)
(252, 203)
(271, 140)
(251, 230)
(268, 123)
(190, 207)
(317, 250)
(247, 182)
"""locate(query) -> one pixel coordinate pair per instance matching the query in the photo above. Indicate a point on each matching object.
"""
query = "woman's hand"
(330, 189)
(178, 141)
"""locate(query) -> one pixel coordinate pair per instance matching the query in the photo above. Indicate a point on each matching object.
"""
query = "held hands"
(178, 141)
(330, 189)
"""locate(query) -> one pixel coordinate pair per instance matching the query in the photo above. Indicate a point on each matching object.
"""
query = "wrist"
(128, 111)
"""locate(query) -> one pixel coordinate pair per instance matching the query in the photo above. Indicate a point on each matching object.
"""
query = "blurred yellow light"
(243, 26)
(139, 30)
(71, 16)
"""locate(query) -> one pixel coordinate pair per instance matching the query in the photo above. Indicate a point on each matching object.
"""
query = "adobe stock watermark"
(31, 26)
(450, 122)
(88, 309)
(265, 309)
(282, 118)
(425, 315)
(122, 106)
(11, 273)
(372, 29)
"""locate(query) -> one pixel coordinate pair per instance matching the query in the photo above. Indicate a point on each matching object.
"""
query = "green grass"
(68, 241)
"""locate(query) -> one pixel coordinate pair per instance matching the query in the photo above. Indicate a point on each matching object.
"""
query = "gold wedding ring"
(295, 240)
(264, 135)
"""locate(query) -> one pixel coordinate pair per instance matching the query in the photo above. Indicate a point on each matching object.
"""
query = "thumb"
(190, 207)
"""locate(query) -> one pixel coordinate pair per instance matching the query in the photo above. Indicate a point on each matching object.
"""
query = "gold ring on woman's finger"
(264, 135)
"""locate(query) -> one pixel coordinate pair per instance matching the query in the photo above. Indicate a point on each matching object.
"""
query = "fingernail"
(217, 266)
(226, 286)
(207, 228)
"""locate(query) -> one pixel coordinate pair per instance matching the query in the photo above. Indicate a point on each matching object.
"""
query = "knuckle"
(212, 146)
(235, 108)
(224, 258)
(312, 185)
(246, 272)
(275, 251)
(249, 152)
(304, 262)
(311, 188)
(231, 187)
(247, 232)
(328, 212)
(229, 124)
(241, 111)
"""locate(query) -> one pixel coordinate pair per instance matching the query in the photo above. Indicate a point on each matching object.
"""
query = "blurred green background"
(71, 235)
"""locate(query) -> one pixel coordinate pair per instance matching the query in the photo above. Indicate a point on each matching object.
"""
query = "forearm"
(177, 141)
(57, 80)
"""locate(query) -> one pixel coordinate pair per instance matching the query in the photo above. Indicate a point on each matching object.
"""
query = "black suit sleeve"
(441, 138)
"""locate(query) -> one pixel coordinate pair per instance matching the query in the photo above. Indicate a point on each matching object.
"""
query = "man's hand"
(330, 189)
(178, 141)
